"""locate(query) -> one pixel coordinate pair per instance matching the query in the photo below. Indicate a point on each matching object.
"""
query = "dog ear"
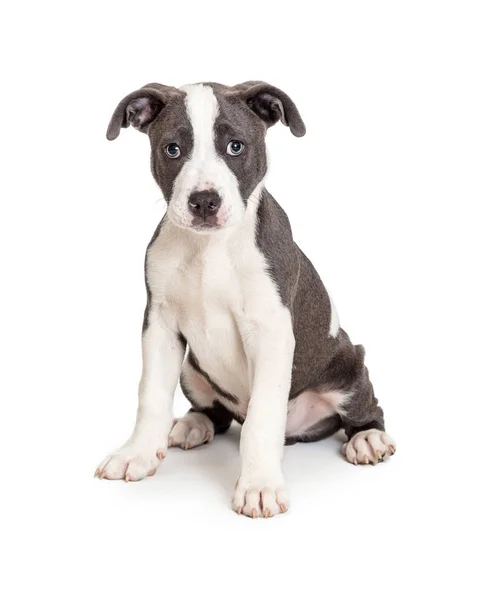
(271, 104)
(140, 108)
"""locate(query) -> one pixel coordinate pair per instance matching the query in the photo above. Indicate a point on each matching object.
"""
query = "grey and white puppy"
(226, 282)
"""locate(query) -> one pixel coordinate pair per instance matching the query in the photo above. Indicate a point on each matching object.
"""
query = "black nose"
(204, 204)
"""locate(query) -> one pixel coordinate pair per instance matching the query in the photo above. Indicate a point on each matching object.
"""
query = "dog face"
(208, 150)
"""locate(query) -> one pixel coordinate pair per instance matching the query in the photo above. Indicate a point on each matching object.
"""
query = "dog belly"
(218, 348)
(311, 407)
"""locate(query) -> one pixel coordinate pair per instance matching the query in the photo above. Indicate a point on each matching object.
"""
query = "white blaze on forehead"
(204, 168)
(202, 109)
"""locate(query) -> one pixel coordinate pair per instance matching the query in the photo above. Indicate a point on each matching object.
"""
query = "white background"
(382, 193)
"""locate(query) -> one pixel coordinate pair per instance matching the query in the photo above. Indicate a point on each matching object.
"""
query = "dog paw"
(194, 429)
(130, 463)
(369, 447)
(265, 499)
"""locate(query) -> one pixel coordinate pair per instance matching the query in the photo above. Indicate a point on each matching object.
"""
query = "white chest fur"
(216, 291)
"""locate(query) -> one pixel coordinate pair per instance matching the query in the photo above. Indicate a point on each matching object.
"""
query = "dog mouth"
(205, 225)
(205, 228)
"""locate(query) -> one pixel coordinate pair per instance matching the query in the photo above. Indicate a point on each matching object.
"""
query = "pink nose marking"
(207, 185)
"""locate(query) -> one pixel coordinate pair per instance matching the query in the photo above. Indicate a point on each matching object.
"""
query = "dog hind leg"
(207, 416)
(363, 422)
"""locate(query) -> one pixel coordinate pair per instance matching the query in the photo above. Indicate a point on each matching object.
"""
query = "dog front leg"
(163, 354)
(260, 490)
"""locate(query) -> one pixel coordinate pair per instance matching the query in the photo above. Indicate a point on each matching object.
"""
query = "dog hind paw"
(369, 447)
(194, 429)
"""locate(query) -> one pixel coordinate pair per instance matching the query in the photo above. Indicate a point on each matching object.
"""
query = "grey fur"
(271, 104)
(319, 431)
(140, 108)
(163, 117)
(146, 316)
(320, 361)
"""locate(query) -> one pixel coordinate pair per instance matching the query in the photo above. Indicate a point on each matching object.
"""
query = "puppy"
(227, 286)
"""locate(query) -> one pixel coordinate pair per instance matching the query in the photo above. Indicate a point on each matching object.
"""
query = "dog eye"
(234, 148)
(172, 151)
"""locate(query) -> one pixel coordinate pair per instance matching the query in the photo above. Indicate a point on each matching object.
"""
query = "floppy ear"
(140, 108)
(272, 104)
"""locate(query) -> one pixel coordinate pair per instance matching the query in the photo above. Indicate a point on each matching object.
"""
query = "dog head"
(208, 150)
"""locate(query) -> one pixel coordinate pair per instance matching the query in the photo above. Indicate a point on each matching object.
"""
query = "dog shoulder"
(274, 240)
(163, 257)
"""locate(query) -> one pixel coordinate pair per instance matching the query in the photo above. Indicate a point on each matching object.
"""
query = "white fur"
(207, 285)
(269, 347)
(369, 447)
(204, 169)
(216, 290)
(162, 357)
(334, 325)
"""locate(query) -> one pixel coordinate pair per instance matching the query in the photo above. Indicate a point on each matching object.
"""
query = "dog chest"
(215, 293)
